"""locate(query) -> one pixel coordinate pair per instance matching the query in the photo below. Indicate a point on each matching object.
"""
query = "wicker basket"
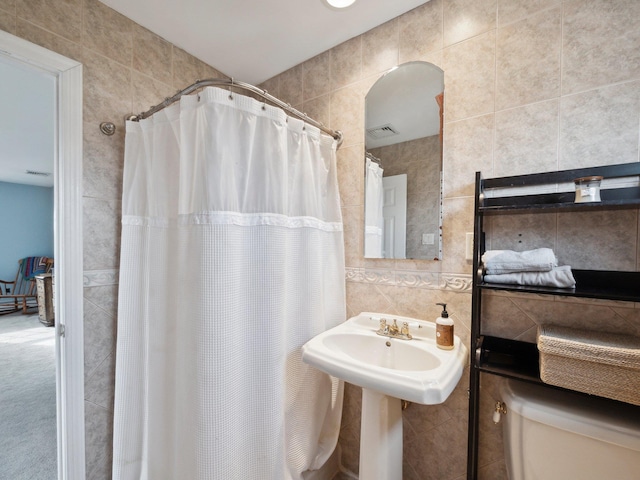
(597, 363)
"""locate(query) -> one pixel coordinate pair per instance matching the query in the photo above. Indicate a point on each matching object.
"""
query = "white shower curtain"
(232, 258)
(373, 217)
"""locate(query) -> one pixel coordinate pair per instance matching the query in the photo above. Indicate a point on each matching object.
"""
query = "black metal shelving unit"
(515, 359)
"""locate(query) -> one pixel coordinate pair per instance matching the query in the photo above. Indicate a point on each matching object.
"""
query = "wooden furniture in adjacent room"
(21, 294)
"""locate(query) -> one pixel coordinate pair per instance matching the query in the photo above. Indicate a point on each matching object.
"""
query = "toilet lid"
(605, 420)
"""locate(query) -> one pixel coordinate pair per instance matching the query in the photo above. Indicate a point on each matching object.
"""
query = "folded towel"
(507, 261)
(560, 277)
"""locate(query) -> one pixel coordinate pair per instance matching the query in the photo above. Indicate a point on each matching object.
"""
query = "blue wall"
(26, 225)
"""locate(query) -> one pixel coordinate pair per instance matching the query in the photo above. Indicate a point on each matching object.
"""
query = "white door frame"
(67, 248)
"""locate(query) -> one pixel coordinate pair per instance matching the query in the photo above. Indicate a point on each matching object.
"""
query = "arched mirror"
(403, 163)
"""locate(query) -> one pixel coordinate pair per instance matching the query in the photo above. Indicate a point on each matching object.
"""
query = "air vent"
(382, 132)
(33, 172)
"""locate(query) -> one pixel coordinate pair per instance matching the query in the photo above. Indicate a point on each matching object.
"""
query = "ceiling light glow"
(340, 3)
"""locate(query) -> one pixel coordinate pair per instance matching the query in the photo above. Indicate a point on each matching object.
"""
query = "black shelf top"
(611, 197)
(615, 197)
(509, 358)
(607, 171)
(608, 285)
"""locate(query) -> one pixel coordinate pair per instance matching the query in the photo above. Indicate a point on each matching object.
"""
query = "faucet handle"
(384, 328)
(394, 329)
(405, 330)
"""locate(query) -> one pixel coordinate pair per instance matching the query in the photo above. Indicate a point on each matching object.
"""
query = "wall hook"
(108, 128)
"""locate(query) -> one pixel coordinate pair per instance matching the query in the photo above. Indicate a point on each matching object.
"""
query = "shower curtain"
(373, 217)
(232, 258)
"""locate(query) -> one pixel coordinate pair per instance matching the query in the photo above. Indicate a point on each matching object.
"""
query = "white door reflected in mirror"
(394, 211)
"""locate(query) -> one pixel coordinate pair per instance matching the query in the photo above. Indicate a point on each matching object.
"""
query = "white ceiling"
(27, 140)
(254, 40)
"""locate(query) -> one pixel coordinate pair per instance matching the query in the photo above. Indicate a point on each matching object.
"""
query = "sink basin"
(374, 351)
(387, 369)
(414, 370)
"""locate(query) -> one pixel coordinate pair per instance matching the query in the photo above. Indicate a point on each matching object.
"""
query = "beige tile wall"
(530, 86)
(126, 69)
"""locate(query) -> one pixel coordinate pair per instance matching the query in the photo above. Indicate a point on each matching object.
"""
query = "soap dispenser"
(444, 329)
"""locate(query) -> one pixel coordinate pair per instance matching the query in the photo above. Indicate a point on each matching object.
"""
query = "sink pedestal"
(380, 437)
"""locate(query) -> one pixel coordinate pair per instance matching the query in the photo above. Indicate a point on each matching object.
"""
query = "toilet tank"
(551, 434)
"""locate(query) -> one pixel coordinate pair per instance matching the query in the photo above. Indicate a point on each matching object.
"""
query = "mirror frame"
(68, 245)
(438, 235)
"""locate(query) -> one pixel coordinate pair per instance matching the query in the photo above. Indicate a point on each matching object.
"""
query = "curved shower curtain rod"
(373, 158)
(216, 82)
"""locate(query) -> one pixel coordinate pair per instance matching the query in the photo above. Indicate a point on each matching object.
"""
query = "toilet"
(551, 434)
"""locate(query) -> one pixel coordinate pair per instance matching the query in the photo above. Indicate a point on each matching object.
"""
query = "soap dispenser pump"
(444, 329)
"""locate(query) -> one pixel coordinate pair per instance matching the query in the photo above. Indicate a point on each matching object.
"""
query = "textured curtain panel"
(232, 258)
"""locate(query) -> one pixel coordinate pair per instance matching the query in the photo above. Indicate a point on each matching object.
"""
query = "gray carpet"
(27, 399)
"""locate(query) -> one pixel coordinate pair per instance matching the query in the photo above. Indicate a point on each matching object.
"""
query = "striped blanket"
(32, 266)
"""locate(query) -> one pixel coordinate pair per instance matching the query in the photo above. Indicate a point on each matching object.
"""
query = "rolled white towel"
(497, 262)
(560, 277)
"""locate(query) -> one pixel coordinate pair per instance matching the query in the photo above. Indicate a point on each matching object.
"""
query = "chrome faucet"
(393, 331)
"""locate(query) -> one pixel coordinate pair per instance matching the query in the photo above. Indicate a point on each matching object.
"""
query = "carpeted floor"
(27, 399)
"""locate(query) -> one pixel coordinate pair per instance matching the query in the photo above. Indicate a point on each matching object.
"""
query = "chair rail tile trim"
(412, 279)
(456, 282)
(400, 278)
(100, 278)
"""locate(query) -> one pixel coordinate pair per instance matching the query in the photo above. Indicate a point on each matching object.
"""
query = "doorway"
(66, 75)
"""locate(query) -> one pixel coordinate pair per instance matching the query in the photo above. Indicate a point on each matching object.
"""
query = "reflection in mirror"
(403, 163)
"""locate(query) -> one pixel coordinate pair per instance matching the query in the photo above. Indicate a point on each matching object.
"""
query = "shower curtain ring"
(231, 91)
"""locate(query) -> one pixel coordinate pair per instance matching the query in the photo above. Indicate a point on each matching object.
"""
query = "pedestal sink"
(389, 370)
